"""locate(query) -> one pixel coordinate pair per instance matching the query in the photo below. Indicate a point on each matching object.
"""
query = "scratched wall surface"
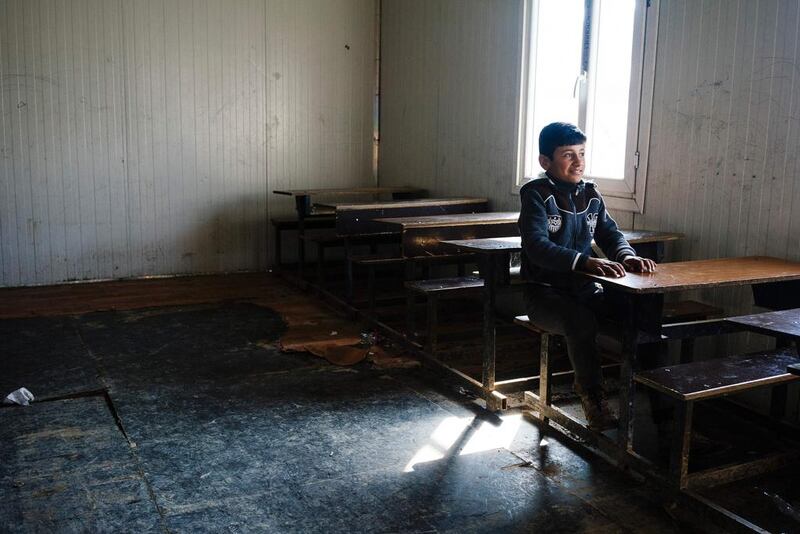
(145, 137)
(724, 159)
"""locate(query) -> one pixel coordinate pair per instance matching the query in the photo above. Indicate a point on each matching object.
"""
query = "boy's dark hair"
(558, 134)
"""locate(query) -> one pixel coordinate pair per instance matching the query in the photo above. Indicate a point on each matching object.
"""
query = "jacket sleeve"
(609, 238)
(536, 244)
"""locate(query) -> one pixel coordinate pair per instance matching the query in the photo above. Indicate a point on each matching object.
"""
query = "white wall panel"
(727, 132)
(61, 141)
(135, 135)
(320, 78)
(195, 93)
(450, 83)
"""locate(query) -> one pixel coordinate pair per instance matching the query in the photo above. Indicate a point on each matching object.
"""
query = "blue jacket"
(557, 222)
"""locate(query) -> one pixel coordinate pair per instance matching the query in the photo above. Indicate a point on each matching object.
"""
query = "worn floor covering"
(221, 432)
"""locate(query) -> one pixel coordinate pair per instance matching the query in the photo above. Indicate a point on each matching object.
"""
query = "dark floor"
(183, 419)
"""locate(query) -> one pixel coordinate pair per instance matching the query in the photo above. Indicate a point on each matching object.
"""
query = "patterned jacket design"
(557, 222)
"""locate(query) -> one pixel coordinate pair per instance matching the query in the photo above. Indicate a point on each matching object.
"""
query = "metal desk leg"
(348, 267)
(411, 301)
(494, 400)
(681, 440)
(545, 377)
(303, 206)
(627, 386)
(642, 314)
(626, 394)
(433, 322)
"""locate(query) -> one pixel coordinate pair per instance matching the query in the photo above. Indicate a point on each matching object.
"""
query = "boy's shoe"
(598, 415)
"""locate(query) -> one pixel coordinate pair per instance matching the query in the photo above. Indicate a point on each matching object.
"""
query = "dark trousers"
(574, 317)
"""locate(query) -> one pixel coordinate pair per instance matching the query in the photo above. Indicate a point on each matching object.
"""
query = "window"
(591, 62)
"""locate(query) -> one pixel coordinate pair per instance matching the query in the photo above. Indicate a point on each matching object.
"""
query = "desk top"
(347, 191)
(417, 202)
(684, 275)
(453, 219)
(499, 245)
(783, 322)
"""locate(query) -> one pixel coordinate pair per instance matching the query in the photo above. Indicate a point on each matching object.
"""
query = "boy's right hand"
(604, 267)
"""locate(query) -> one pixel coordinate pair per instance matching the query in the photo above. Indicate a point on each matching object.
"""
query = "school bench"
(672, 313)
(361, 223)
(688, 383)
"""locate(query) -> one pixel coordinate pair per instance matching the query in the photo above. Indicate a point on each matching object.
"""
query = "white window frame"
(626, 194)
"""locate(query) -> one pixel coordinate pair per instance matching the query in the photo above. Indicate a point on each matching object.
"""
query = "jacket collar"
(565, 187)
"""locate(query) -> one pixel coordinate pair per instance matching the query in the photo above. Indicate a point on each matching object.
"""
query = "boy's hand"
(603, 267)
(637, 264)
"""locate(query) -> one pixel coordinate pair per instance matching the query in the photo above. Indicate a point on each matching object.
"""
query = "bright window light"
(609, 89)
(583, 65)
(555, 67)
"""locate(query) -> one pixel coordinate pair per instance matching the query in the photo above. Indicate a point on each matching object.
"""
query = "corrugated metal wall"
(449, 90)
(145, 137)
(724, 162)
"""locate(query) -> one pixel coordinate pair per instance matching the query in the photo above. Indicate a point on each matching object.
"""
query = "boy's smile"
(568, 163)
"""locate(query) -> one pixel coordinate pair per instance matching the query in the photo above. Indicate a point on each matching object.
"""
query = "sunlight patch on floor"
(481, 437)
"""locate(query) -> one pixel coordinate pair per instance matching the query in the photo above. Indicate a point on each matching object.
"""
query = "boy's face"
(568, 163)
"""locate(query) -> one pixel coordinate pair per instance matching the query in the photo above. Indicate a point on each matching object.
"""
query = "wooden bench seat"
(709, 379)
(378, 259)
(372, 262)
(674, 312)
(282, 224)
(545, 397)
(433, 290)
(445, 285)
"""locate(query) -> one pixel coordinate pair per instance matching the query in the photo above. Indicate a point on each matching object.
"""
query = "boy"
(559, 217)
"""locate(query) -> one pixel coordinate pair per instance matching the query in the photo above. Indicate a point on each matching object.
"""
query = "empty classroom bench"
(711, 379)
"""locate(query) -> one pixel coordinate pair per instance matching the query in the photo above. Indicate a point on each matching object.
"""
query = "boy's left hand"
(638, 264)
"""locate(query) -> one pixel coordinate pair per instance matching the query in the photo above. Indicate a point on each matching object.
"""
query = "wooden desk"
(356, 222)
(774, 282)
(646, 243)
(495, 256)
(303, 205)
(357, 219)
(303, 196)
(422, 236)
